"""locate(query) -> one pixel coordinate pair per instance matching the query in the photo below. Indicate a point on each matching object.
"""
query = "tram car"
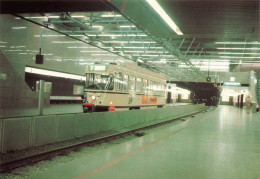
(114, 88)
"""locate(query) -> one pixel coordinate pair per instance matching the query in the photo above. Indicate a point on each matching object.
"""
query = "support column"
(252, 87)
(41, 98)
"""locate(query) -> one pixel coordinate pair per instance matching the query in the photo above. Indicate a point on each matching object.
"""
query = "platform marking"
(115, 161)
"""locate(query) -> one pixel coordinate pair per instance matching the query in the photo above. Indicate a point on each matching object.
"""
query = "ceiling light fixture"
(134, 42)
(253, 48)
(126, 26)
(230, 53)
(54, 73)
(107, 15)
(66, 42)
(50, 35)
(239, 57)
(89, 51)
(97, 26)
(235, 43)
(18, 28)
(78, 16)
(142, 47)
(164, 16)
(36, 17)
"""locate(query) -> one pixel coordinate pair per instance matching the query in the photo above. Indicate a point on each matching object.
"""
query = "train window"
(150, 87)
(119, 81)
(164, 89)
(125, 83)
(131, 83)
(161, 89)
(156, 88)
(138, 85)
(89, 79)
(100, 81)
(144, 85)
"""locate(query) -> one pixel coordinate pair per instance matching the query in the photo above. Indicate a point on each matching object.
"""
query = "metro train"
(115, 87)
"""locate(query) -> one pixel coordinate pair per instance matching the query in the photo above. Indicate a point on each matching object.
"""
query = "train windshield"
(99, 81)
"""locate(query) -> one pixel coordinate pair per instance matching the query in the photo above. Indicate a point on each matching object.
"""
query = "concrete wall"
(14, 92)
(22, 133)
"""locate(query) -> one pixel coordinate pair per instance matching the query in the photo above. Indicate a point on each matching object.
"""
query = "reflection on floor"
(223, 143)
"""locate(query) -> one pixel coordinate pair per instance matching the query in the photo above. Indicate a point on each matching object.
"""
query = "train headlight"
(93, 97)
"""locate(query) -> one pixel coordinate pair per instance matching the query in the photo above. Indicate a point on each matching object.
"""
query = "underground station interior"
(129, 89)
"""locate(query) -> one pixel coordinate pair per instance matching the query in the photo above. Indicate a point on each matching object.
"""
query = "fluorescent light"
(253, 48)
(17, 50)
(126, 26)
(97, 26)
(53, 16)
(111, 15)
(1, 42)
(82, 47)
(117, 35)
(137, 35)
(134, 51)
(53, 73)
(238, 57)
(93, 51)
(66, 42)
(77, 35)
(164, 16)
(150, 55)
(235, 43)
(134, 42)
(17, 28)
(142, 47)
(36, 17)
(78, 16)
(50, 35)
(230, 53)
(2, 46)
(108, 54)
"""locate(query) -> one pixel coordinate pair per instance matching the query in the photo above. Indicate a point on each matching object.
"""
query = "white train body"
(122, 87)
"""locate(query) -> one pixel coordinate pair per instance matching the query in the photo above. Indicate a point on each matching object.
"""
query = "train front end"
(98, 82)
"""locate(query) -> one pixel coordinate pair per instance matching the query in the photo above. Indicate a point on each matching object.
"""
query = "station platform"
(222, 143)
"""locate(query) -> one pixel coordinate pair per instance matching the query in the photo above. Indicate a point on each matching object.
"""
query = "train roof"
(130, 69)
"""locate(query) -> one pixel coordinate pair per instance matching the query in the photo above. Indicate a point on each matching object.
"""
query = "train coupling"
(88, 107)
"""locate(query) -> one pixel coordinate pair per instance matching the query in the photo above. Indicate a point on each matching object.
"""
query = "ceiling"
(216, 34)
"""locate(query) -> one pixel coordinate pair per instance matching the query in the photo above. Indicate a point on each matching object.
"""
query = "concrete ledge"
(66, 127)
(45, 129)
(22, 133)
(16, 134)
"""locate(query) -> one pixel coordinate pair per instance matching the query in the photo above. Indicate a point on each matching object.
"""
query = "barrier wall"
(26, 132)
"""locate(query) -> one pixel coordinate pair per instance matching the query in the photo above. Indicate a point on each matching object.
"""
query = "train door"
(231, 100)
(169, 97)
(241, 100)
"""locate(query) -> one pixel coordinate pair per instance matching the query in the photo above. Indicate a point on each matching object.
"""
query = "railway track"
(47, 155)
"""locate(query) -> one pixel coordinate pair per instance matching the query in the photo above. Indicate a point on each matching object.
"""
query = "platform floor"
(223, 143)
